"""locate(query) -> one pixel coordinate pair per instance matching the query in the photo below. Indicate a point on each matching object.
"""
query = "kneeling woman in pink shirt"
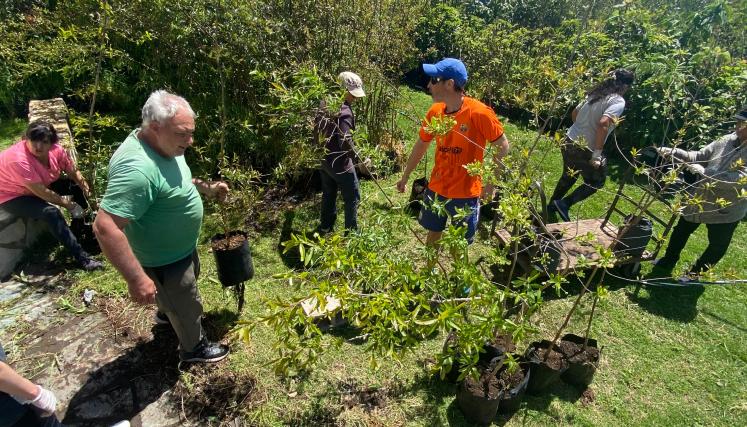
(30, 185)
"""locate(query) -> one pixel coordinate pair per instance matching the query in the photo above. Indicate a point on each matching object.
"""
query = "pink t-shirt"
(19, 167)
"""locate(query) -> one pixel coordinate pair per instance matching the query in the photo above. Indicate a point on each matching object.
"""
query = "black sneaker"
(161, 318)
(205, 351)
(91, 264)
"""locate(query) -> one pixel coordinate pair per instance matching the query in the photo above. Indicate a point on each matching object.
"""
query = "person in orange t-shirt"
(476, 126)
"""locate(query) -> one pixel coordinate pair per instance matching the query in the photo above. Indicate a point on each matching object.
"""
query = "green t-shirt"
(157, 195)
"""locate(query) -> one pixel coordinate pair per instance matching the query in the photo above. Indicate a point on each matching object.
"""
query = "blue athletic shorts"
(432, 221)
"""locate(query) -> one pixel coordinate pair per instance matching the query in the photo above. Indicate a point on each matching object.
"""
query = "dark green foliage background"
(255, 70)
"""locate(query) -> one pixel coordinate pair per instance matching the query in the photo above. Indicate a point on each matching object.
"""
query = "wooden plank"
(568, 234)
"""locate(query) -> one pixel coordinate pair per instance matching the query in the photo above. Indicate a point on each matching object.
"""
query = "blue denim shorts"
(433, 221)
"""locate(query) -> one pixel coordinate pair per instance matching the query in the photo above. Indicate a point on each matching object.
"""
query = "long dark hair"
(617, 80)
(41, 131)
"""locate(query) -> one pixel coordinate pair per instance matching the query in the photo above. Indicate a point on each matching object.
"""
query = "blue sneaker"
(561, 208)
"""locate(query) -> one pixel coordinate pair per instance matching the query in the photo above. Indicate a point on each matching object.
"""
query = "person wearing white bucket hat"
(338, 166)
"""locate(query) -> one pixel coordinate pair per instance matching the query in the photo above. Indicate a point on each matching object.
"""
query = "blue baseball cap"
(448, 68)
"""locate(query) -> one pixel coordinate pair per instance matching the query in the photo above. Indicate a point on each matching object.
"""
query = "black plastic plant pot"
(580, 372)
(476, 407)
(512, 398)
(82, 229)
(416, 194)
(543, 375)
(235, 264)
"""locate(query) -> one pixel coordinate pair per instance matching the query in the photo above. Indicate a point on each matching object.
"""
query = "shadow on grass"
(675, 302)
(436, 394)
(292, 257)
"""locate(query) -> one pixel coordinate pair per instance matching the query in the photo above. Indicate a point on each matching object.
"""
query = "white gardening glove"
(664, 151)
(45, 401)
(695, 168)
(76, 211)
(597, 159)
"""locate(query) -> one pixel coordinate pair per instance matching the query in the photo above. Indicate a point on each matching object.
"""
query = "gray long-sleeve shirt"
(725, 163)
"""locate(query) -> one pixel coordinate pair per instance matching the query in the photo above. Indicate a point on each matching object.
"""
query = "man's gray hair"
(162, 105)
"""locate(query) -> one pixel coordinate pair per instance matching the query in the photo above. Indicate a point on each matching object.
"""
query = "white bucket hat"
(353, 83)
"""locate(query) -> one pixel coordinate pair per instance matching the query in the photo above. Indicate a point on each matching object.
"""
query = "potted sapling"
(230, 247)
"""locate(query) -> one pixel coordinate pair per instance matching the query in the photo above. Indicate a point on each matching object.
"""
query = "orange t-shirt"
(476, 125)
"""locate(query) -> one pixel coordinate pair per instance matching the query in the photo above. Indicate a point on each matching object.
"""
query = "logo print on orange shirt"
(463, 127)
(453, 150)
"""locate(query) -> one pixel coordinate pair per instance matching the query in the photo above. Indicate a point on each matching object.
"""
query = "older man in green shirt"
(149, 220)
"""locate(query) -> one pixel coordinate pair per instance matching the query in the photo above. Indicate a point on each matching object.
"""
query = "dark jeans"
(13, 414)
(36, 208)
(719, 238)
(577, 159)
(347, 183)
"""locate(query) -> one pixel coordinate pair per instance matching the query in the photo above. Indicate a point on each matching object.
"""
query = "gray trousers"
(179, 298)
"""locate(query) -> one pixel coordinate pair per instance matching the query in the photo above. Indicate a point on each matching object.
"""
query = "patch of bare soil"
(588, 397)
(267, 213)
(214, 392)
(368, 398)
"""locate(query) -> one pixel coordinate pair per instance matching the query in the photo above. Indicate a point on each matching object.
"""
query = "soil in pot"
(490, 351)
(582, 363)
(233, 258)
(544, 372)
(514, 386)
(479, 398)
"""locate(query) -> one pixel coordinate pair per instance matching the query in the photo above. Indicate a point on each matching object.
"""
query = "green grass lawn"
(670, 356)
(10, 131)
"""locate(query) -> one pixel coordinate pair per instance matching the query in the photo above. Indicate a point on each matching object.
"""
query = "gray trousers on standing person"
(179, 299)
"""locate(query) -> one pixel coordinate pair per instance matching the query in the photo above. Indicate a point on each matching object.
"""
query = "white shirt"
(588, 116)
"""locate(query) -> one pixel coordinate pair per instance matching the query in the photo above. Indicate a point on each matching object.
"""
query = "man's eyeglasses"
(435, 80)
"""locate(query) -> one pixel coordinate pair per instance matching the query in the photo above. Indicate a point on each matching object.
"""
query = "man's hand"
(664, 151)
(143, 291)
(219, 190)
(402, 184)
(695, 168)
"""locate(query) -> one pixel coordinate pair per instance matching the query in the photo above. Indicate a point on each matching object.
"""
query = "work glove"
(45, 401)
(695, 168)
(664, 151)
(76, 211)
(597, 159)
